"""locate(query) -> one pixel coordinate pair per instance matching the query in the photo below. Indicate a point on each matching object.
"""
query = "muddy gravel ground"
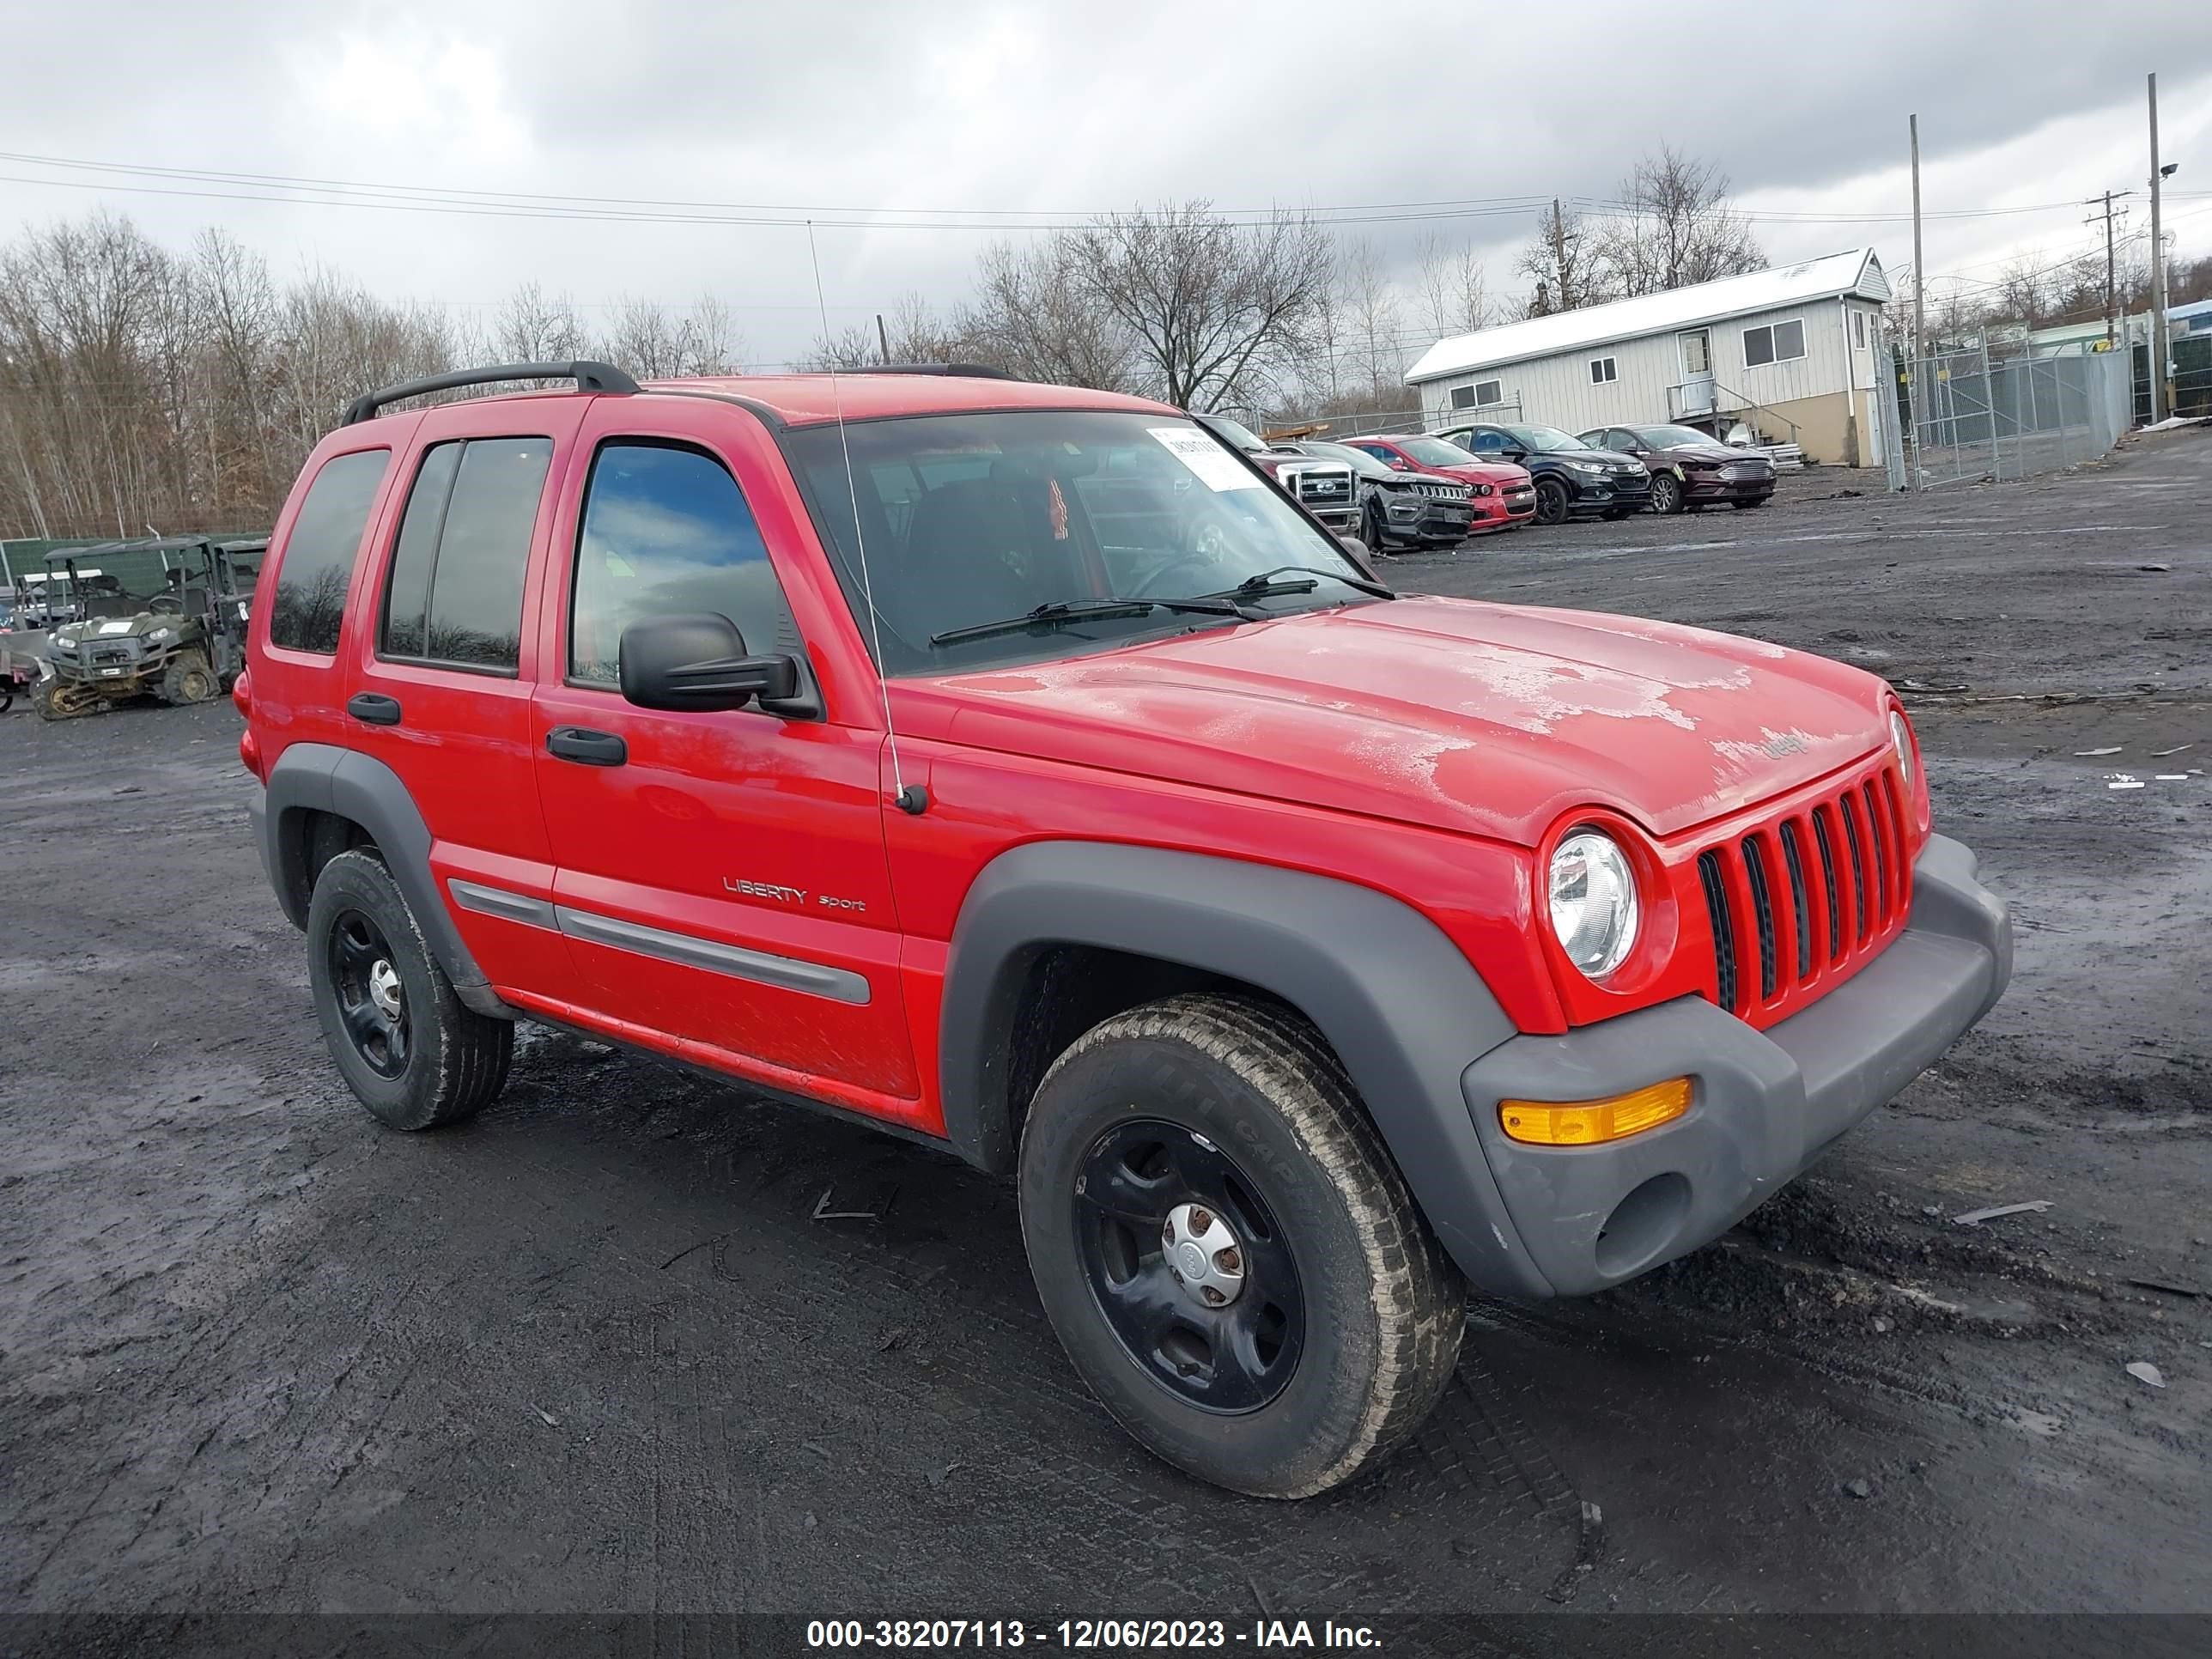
(597, 1351)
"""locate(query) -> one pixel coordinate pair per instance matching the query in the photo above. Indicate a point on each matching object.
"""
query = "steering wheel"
(166, 605)
(1204, 565)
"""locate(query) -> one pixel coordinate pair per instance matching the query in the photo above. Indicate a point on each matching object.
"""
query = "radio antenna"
(913, 800)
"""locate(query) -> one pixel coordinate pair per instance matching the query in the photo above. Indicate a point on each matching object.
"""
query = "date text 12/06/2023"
(1084, 1634)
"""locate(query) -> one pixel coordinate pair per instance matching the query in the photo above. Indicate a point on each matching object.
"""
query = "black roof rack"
(588, 377)
(965, 371)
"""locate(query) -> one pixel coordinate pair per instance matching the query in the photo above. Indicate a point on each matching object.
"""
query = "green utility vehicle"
(164, 617)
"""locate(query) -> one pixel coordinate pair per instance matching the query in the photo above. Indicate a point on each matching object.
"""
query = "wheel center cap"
(384, 990)
(1203, 1256)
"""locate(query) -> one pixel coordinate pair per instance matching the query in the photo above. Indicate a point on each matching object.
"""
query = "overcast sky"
(1030, 112)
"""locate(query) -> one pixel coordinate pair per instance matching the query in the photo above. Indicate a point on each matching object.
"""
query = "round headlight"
(1900, 735)
(1593, 897)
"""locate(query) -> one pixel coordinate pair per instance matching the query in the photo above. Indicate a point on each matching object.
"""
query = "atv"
(184, 641)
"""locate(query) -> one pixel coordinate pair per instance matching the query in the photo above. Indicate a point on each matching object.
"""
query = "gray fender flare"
(1402, 1007)
(324, 778)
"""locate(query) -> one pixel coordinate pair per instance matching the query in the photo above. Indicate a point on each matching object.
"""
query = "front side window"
(1049, 509)
(454, 594)
(666, 533)
(309, 604)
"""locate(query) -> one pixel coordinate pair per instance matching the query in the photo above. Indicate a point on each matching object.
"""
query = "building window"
(1603, 370)
(1462, 396)
(1858, 330)
(1481, 395)
(1776, 342)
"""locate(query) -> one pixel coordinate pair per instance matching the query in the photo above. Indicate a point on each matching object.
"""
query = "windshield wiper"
(1060, 613)
(1268, 584)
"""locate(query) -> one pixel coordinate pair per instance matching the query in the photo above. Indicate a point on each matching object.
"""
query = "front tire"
(1551, 501)
(408, 1048)
(1226, 1251)
(189, 680)
(1666, 496)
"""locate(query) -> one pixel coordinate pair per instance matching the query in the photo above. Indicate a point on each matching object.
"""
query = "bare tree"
(1037, 314)
(1454, 290)
(1563, 262)
(1674, 226)
(1370, 307)
(533, 327)
(1218, 310)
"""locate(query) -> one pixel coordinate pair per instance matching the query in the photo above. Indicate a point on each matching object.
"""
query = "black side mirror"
(1356, 550)
(698, 662)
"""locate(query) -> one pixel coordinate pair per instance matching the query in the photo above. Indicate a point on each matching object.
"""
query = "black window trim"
(485, 670)
(808, 705)
(353, 566)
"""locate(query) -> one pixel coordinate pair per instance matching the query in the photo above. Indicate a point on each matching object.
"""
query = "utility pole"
(1919, 268)
(2161, 396)
(883, 337)
(2111, 267)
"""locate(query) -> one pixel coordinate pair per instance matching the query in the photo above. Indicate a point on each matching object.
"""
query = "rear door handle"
(372, 709)
(586, 747)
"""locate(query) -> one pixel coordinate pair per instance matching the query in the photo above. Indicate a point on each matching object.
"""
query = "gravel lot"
(596, 1352)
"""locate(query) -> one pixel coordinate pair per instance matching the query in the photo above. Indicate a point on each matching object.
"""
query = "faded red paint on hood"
(1487, 719)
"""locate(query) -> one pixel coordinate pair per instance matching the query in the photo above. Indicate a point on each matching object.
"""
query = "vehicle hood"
(1485, 719)
(1504, 474)
(1704, 453)
(1406, 480)
(136, 626)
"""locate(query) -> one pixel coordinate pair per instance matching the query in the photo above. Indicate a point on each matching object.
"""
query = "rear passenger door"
(442, 680)
(722, 880)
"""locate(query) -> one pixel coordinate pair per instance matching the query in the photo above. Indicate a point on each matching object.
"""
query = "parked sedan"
(1400, 510)
(1504, 494)
(1689, 468)
(1572, 479)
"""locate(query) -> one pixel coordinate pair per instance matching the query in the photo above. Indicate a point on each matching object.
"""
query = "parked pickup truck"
(1304, 953)
(1324, 487)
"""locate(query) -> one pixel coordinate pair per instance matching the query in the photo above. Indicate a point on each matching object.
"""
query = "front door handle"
(372, 709)
(586, 747)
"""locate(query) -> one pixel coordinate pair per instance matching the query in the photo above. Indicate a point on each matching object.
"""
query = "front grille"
(1322, 488)
(1833, 916)
(1443, 492)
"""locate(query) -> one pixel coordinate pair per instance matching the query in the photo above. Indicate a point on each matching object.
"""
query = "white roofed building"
(1794, 353)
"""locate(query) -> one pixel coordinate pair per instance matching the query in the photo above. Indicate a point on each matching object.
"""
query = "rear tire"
(407, 1047)
(1230, 1121)
(189, 679)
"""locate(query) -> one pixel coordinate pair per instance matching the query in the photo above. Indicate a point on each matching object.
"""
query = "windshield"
(1359, 460)
(1674, 437)
(972, 519)
(1435, 452)
(1545, 437)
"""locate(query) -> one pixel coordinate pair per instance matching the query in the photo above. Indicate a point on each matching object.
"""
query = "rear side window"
(666, 533)
(454, 594)
(309, 603)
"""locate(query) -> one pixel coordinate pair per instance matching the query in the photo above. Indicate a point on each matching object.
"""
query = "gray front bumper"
(1764, 1104)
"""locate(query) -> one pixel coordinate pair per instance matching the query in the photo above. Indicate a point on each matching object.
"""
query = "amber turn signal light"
(1591, 1122)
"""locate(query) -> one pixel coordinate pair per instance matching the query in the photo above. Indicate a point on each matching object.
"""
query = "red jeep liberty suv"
(1018, 769)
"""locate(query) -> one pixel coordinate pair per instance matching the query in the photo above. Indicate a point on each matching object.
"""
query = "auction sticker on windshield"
(1215, 467)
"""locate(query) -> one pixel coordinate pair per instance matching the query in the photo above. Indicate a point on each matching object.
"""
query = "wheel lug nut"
(1213, 1298)
(1228, 1259)
(1200, 1220)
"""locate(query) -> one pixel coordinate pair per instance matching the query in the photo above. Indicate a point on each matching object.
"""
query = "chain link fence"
(1971, 416)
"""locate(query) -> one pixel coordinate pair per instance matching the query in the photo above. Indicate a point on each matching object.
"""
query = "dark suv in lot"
(1689, 469)
(1572, 479)
(1012, 767)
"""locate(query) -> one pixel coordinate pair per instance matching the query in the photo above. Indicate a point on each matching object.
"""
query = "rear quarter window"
(308, 606)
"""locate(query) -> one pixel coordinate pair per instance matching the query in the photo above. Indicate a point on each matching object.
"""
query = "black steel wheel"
(1189, 1267)
(372, 1001)
(1226, 1250)
(409, 1049)
(1551, 501)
